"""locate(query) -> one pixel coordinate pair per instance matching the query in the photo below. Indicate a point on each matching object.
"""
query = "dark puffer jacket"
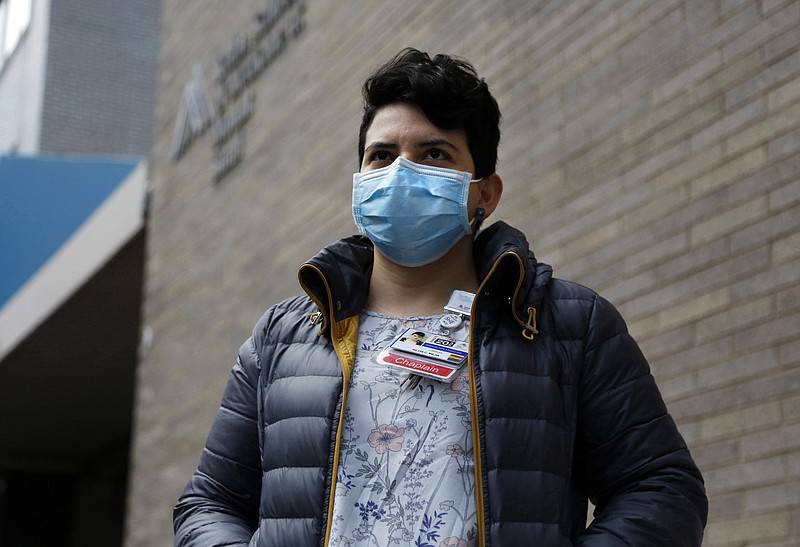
(564, 409)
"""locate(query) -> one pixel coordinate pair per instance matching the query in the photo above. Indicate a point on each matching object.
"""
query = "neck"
(404, 292)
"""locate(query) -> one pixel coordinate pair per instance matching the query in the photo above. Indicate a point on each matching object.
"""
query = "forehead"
(400, 122)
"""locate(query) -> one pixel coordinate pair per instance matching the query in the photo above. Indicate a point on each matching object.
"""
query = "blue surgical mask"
(413, 213)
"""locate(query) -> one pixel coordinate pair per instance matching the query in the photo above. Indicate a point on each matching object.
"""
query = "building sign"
(194, 115)
(248, 56)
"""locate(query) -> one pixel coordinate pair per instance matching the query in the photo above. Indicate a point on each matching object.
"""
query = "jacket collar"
(337, 278)
(504, 250)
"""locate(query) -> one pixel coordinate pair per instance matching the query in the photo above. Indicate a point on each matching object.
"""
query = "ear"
(490, 190)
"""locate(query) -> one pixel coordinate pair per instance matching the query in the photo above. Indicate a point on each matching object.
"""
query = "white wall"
(22, 80)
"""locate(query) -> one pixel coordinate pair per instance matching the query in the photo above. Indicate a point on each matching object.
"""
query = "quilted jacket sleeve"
(639, 474)
(219, 506)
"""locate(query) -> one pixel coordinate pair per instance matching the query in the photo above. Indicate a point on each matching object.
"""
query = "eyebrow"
(436, 142)
(421, 144)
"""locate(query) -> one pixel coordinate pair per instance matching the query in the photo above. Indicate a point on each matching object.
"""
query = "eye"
(436, 154)
(379, 156)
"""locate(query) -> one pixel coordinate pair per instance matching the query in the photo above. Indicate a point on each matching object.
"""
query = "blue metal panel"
(43, 201)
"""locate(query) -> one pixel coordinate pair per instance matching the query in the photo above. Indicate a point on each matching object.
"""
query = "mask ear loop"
(480, 212)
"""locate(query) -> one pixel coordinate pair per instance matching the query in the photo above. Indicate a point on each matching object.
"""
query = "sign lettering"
(248, 56)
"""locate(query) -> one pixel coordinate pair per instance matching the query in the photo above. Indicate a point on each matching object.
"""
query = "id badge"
(431, 345)
(418, 366)
(426, 353)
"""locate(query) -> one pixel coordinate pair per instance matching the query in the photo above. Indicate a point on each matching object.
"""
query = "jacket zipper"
(346, 360)
(473, 399)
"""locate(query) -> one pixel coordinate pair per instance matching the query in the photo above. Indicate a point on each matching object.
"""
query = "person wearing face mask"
(436, 385)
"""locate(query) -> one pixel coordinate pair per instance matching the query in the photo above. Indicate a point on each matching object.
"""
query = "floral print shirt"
(406, 474)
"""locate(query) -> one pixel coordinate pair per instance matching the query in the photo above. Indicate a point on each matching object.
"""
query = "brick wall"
(649, 149)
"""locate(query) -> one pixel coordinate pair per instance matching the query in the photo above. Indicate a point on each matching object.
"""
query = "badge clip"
(460, 303)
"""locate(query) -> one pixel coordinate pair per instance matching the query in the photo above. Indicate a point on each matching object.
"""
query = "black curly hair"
(450, 94)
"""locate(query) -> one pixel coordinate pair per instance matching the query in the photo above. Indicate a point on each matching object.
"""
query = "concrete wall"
(650, 150)
(82, 79)
(101, 69)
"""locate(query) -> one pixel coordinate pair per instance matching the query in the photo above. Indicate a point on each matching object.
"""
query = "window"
(15, 17)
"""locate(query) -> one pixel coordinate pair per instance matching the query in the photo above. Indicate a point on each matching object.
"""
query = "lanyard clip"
(460, 303)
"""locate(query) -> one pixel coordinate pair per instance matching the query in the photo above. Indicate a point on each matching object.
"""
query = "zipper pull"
(530, 326)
